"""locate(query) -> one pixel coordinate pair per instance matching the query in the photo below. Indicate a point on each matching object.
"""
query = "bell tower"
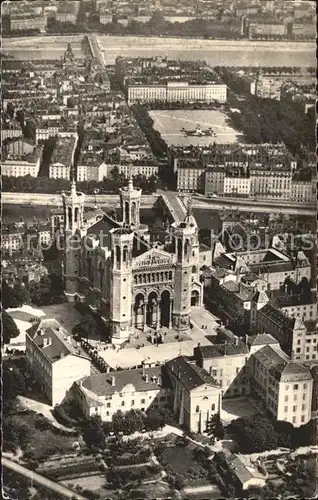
(121, 283)
(184, 241)
(73, 209)
(130, 198)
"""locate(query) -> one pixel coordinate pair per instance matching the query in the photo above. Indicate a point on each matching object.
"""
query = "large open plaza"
(170, 125)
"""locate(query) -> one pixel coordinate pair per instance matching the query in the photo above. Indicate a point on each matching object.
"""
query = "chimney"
(61, 354)
(113, 381)
(246, 339)
(236, 340)
(107, 369)
(146, 378)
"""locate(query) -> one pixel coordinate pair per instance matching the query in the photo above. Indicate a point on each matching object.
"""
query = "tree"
(254, 434)
(14, 296)
(13, 383)
(9, 328)
(118, 422)
(133, 421)
(156, 419)
(93, 432)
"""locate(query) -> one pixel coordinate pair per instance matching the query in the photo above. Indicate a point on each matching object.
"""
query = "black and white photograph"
(159, 250)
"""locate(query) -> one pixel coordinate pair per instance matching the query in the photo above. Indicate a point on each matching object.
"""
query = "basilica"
(132, 281)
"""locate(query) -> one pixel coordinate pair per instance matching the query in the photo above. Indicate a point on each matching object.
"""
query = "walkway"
(41, 480)
(45, 409)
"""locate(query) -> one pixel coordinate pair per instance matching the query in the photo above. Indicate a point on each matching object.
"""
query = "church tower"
(121, 283)
(73, 209)
(130, 198)
(184, 240)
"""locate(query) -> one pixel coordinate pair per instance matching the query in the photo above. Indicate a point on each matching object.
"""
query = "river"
(214, 52)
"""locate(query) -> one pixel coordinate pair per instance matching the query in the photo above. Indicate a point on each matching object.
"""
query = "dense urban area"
(159, 301)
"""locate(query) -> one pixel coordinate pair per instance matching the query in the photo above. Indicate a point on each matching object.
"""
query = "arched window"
(213, 407)
(125, 254)
(127, 218)
(69, 215)
(194, 269)
(76, 218)
(170, 275)
(197, 409)
(133, 212)
(118, 255)
(186, 248)
(179, 244)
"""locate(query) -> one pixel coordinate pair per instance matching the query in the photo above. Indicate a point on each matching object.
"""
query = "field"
(170, 123)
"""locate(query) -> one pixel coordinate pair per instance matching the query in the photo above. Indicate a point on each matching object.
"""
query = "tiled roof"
(220, 350)
(101, 384)
(277, 316)
(53, 340)
(290, 372)
(190, 376)
(271, 356)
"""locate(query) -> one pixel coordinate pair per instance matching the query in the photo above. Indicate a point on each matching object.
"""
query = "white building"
(54, 359)
(237, 186)
(303, 192)
(106, 393)
(284, 386)
(176, 91)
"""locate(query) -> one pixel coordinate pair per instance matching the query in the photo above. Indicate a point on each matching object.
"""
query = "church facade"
(132, 282)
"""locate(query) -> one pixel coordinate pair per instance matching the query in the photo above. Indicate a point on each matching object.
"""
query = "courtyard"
(170, 124)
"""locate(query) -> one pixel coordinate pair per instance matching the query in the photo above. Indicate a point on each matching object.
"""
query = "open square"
(170, 124)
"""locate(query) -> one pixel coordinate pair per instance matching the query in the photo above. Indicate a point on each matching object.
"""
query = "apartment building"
(237, 186)
(106, 393)
(17, 147)
(54, 359)
(268, 30)
(226, 364)
(303, 192)
(214, 180)
(27, 21)
(10, 131)
(12, 239)
(299, 339)
(272, 184)
(62, 158)
(196, 394)
(190, 179)
(46, 130)
(284, 386)
(67, 12)
(176, 92)
(26, 164)
(138, 168)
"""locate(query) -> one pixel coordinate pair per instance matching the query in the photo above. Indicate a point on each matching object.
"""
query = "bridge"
(173, 205)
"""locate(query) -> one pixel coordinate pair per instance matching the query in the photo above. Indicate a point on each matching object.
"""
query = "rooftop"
(54, 341)
(190, 376)
(221, 350)
(106, 384)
